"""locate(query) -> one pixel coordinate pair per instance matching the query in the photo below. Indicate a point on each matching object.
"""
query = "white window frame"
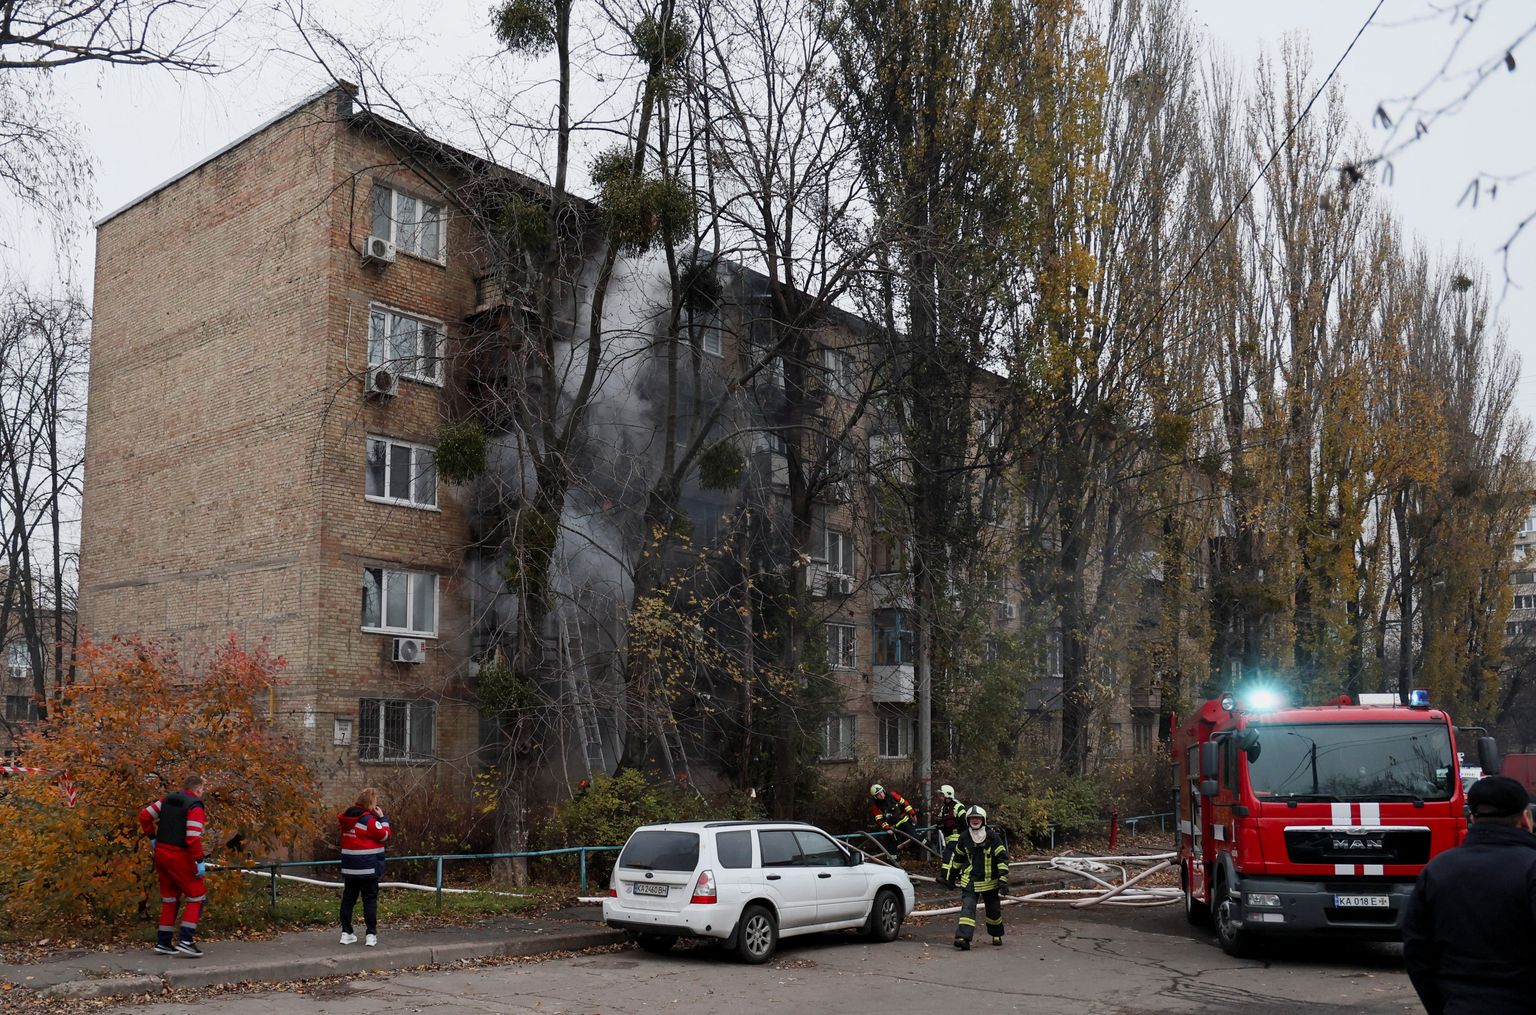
(841, 562)
(711, 336)
(842, 646)
(370, 743)
(905, 735)
(386, 577)
(416, 472)
(408, 368)
(18, 661)
(842, 368)
(843, 728)
(394, 217)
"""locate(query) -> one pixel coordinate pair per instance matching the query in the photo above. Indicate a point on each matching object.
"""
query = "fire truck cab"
(1313, 820)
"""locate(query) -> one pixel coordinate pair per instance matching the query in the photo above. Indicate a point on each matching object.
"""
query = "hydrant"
(1114, 826)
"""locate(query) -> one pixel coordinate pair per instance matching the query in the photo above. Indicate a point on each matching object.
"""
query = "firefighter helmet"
(976, 811)
(876, 789)
(947, 792)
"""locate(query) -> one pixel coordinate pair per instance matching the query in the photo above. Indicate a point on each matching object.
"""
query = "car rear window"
(661, 851)
(735, 849)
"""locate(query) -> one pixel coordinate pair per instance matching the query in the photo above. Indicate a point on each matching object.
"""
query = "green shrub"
(614, 806)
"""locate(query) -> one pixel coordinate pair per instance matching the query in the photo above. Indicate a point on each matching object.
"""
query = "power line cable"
(1232, 212)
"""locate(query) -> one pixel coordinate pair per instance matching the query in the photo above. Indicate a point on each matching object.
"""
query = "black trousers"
(994, 909)
(367, 887)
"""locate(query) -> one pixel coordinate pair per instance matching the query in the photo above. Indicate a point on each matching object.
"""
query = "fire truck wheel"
(1232, 938)
(1195, 911)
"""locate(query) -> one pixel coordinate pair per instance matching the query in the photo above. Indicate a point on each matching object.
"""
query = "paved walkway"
(303, 955)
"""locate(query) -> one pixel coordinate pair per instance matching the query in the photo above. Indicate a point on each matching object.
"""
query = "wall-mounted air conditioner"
(381, 382)
(409, 650)
(378, 250)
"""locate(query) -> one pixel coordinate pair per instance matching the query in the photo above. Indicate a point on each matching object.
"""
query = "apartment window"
(399, 602)
(842, 646)
(1141, 732)
(400, 473)
(412, 345)
(842, 371)
(895, 641)
(1522, 578)
(707, 324)
(837, 738)
(1529, 525)
(1525, 602)
(394, 730)
(18, 661)
(896, 735)
(414, 225)
(890, 553)
(839, 552)
(20, 708)
(772, 445)
(1050, 663)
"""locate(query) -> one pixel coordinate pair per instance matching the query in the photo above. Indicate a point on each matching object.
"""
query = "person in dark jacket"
(364, 831)
(978, 866)
(1469, 935)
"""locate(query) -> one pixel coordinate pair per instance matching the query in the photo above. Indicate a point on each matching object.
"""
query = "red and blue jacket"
(363, 835)
(176, 822)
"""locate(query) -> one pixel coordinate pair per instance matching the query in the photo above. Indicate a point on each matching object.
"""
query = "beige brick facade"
(228, 428)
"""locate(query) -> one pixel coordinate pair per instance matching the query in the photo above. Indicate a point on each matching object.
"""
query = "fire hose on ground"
(1106, 892)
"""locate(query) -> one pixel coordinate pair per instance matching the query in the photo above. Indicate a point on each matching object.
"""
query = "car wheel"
(1195, 911)
(1233, 939)
(758, 935)
(884, 917)
(657, 943)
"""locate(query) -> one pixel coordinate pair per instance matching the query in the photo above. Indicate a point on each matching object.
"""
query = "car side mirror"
(855, 857)
(1208, 787)
(1488, 755)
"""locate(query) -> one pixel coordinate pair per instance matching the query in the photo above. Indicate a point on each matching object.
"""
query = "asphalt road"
(1109, 962)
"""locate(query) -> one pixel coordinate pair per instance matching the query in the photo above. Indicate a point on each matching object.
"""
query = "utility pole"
(924, 601)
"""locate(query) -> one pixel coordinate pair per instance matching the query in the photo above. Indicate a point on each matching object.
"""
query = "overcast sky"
(143, 126)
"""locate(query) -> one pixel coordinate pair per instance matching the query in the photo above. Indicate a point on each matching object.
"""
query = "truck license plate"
(1362, 901)
(644, 889)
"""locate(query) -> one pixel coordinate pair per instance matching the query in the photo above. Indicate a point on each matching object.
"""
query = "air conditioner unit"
(409, 650)
(382, 382)
(379, 250)
(1009, 611)
(840, 584)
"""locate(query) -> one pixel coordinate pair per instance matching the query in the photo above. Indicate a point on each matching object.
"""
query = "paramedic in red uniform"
(174, 825)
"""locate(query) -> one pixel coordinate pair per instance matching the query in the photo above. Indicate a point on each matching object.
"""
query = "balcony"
(891, 591)
(895, 684)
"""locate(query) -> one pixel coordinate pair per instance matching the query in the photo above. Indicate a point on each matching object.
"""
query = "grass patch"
(299, 906)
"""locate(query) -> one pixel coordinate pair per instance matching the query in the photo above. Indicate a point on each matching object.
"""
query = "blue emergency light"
(1418, 698)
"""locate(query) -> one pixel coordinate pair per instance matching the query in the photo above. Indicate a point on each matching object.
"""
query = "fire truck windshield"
(1352, 761)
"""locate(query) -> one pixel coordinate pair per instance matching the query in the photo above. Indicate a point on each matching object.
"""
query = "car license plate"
(644, 889)
(1362, 902)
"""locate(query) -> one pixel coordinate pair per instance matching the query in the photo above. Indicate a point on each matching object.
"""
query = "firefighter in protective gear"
(950, 818)
(893, 814)
(175, 824)
(978, 866)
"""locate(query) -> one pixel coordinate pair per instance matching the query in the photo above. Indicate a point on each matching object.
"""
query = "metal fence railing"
(275, 867)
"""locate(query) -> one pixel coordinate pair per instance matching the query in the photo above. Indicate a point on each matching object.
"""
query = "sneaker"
(997, 942)
(371, 940)
(189, 949)
(962, 944)
(348, 938)
(161, 949)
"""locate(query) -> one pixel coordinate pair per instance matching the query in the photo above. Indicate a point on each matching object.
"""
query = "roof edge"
(343, 87)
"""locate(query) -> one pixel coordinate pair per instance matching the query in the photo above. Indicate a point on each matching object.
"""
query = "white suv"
(750, 883)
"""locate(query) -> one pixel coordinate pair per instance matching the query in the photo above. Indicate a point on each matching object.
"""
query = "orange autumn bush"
(132, 726)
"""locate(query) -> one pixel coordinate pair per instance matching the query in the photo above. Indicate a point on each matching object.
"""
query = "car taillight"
(613, 893)
(704, 889)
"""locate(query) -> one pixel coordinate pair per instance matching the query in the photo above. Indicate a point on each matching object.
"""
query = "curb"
(203, 974)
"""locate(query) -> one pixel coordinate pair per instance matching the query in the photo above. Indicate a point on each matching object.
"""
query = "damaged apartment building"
(282, 333)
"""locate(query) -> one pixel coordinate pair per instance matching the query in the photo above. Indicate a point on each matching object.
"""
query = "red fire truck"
(1314, 819)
